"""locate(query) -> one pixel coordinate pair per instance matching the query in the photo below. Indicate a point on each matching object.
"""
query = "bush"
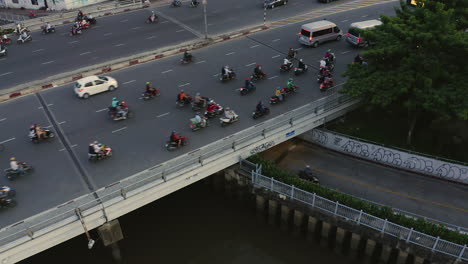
(270, 169)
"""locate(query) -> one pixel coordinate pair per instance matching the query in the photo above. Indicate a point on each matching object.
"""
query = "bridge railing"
(361, 218)
(57, 217)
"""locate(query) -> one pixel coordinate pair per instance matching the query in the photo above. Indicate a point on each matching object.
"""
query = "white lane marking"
(346, 20)
(5, 141)
(299, 48)
(161, 115)
(100, 110)
(62, 149)
(50, 104)
(254, 46)
(365, 16)
(125, 20)
(210, 24)
(47, 62)
(198, 62)
(63, 122)
(96, 26)
(2, 119)
(6, 73)
(107, 34)
(185, 84)
(72, 146)
(272, 77)
(136, 27)
(40, 107)
(120, 129)
(129, 82)
(345, 52)
(275, 56)
(250, 64)
(118, 45)
(180, 30)
(167, 71)
(166, 21)
(230, 53)
(84, 53)
(216, 74)
(275, 40)
(48, 126)
(152, 37)
(71, 42)
(3, 59)
(38, 50)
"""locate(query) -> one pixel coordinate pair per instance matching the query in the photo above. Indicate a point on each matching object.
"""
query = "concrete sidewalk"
(414, 193)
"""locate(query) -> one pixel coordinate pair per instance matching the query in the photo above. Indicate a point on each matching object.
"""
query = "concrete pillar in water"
(311, 227)
(110, 233)
(272, 211)
(260, 202)
(385, 255)
(285, 216)
(339, 239)
(418, 260)
(325, 232)
(370, 246)
(355, 239)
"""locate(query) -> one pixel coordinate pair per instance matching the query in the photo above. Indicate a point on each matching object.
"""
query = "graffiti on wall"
(262, 147)
(391, 157)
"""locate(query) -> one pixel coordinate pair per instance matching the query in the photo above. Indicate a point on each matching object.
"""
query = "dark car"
(326, 1)
(275, 3)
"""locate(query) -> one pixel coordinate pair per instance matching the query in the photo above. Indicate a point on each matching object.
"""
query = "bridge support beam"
(110, 233)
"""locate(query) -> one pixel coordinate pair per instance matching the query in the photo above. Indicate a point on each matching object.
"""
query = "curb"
(118, 64)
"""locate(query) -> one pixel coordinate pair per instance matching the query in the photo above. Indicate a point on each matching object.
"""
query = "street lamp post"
(264, 12)
(205, 2)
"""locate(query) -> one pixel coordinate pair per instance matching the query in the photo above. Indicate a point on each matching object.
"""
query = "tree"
(419, 63)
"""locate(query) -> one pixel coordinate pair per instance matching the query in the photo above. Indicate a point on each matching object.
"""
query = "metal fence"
(361, 218)
(64, 214)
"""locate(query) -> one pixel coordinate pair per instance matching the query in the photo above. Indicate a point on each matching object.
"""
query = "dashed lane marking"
(275, 40)
(120, 129)
(216, 74)
(118, 45)
(5, 141)
(167, 71)
(165, 21)
(185, 84)
(63, 122)
(136, 28)
(344, 52)
(180, 30)
(230, 53)
(84, 53)
(272, 77)
(6, 73)
(365, 16)
(250, 64)
(74, 145)
(38, 50)
(47, 62)
(71, 42)
(152, 37)
(129, 82)
(125, 20)
(161, 115)
(107, 34)
(3, 119)
(100, 110)
(276, 56)
(254, 46)
(198, 62)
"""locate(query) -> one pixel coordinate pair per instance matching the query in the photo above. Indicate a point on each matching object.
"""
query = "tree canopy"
(419, 61)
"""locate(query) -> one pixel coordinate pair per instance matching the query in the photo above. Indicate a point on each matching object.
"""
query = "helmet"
(278, 88)
(114, 98)
(329, 50)
(12, 158)
(95, 142)
(300, 60)
(100, 145)
(181, 91)
(148, 82)
(227, 108)
(91, 143)
(258, 65)
(173, 131)
(123, 102)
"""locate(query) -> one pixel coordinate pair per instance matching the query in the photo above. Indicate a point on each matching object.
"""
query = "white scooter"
(23, 40)
(226, 121)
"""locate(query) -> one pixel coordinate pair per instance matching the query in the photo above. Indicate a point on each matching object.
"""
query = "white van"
(354, 37)
(317, 32)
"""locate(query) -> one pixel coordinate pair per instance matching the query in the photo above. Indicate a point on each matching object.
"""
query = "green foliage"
(270, 169)
(6, 31)
(418, 62)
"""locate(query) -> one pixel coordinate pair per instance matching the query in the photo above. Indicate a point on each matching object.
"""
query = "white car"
(94, 84)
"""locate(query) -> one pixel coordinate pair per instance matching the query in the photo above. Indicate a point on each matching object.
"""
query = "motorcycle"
(244, 91)
(309, 175)
(91, 20)
(7, 202)
(275, 99)
(288, 91)
(85, 25)
(172, 145)
(195, 125)
(148, 95)
(3, 51)
(292, 55)
(256, 114)
(226, 121)
(20, 31)
(35, 139)
(299, 71)
(258, 77)
(21, 40)
(186, 60)
(75, 32)
(181, 103)
(200, 105)
(12, 174)
(176, 3)
(330, 63)
(100, 156)
(150, 20)
(217, 111)
(6, 191)
(47, 31)
(114, 115)
(231, 76)
(326, 84)
(5, 40)
(192, 4)
(285, 67)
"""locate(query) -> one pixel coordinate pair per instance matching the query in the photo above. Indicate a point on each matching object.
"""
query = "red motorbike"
(75, 31)
(172, 145)
(5, 40)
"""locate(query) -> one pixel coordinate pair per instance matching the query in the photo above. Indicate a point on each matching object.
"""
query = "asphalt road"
(138, 143)
(127, 34)
(410, 192)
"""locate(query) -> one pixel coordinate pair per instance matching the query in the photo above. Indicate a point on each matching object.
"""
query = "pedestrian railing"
(359, 217)
(12, 17)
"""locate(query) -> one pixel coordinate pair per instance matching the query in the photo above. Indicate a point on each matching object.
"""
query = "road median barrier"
(115, 65)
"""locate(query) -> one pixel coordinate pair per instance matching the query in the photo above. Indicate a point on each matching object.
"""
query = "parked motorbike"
(48, 135)
(256, 114)
(47, 31)
(3, 51)
(244, 91)
(285, 67)
(100, 156)
(21, 40)
(6, 191)
(13, 174)
(146, 95)
(299, 71)
(114, 115)
(195, 125)
(226, 121)
(171, 145)
(231, 76)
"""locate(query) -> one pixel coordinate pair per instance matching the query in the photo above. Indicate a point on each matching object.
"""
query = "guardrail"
(12, 17)
(359, 217)
(56, 218)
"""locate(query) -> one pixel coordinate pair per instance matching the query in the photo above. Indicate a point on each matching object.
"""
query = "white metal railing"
(57, 217)
(361, 218)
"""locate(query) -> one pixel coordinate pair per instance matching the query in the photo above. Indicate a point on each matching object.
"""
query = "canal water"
(196, 225)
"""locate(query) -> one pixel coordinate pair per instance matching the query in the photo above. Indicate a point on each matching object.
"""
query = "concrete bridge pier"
(110, 233)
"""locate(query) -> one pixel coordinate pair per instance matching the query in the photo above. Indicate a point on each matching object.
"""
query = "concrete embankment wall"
(344, 237)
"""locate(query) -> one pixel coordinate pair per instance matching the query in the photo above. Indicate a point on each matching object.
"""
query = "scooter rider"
(229, 114)
(187, 56)
(153, 16)
(97, 149)
(114, 103)
(258, 71)
(287, 63)
(301, 65)
(15, 166)
(249, 84)
(176, 138)
(290, 85)
(292, 53)
(199, 101)
(227, 72)
(122, 109)
(260, 107)
(278, 93)
(150, 90)
(200, 119)
(194, 2)
(24, 35)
